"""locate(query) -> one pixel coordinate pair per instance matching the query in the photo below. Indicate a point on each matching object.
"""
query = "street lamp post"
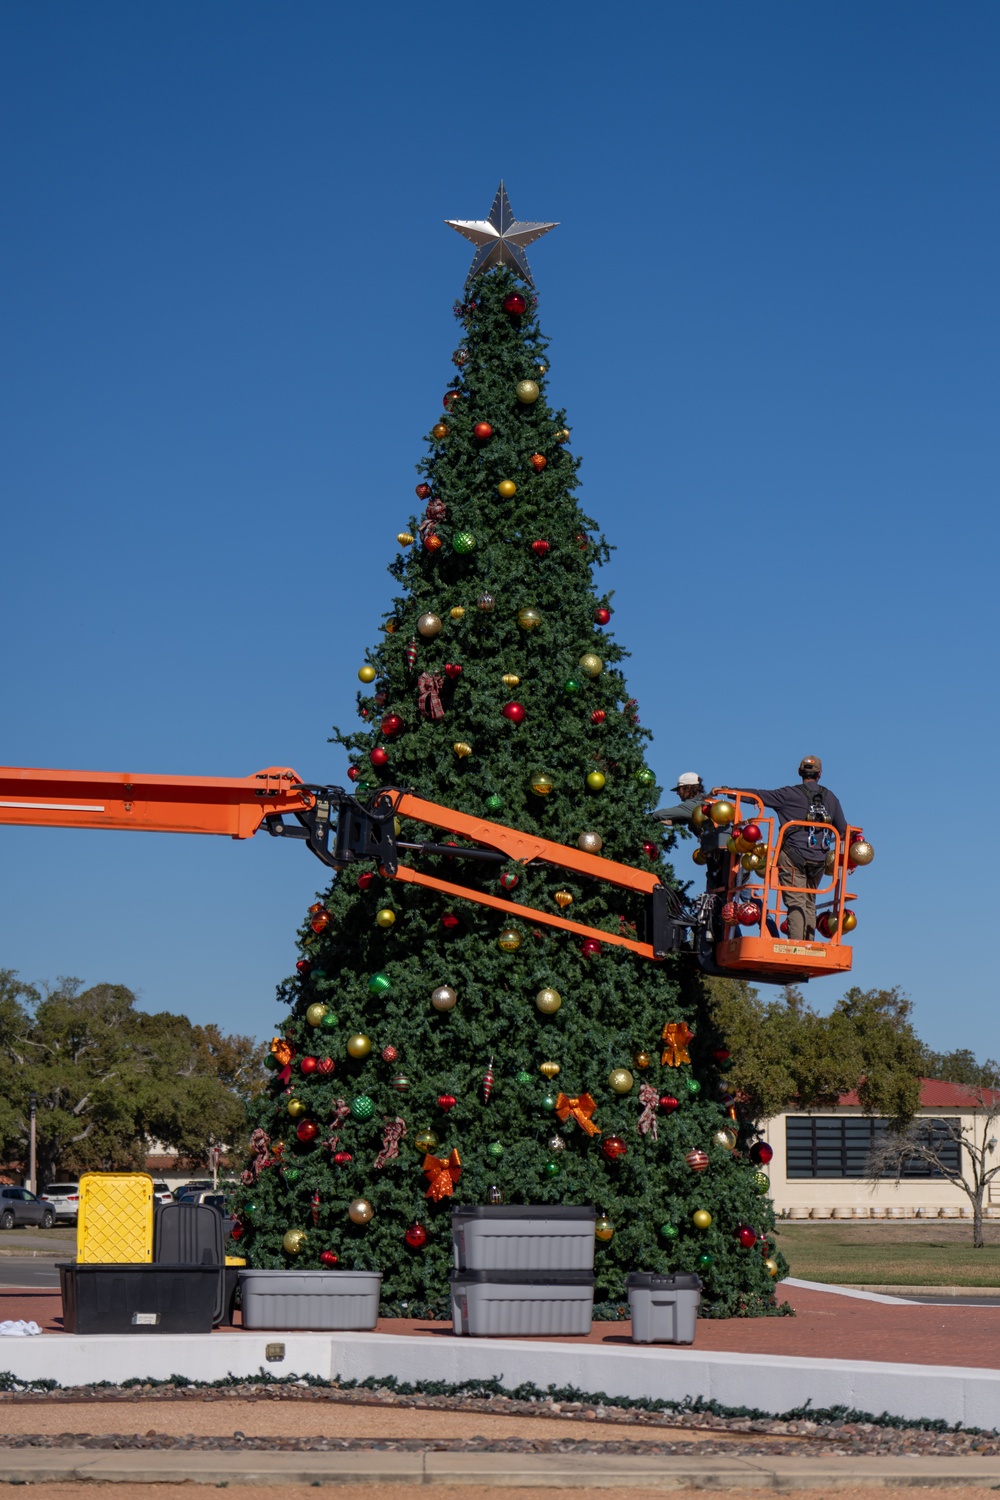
(32, 1162)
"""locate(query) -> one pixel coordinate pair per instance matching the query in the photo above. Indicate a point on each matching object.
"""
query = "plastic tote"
(664, 1309)
(190, 1234)
(138, 1298)
(512, 1304)
(523, 1237)
(114, 1223)
(314, 1300)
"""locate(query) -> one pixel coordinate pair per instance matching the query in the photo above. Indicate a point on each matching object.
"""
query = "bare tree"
(940, 1143)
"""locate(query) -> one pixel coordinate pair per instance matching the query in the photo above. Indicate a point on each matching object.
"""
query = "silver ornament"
(556, 1143)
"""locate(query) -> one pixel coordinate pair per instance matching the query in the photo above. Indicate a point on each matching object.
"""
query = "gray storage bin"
(512, 1304)
(664, 1309)
(314, 1300)
(524, 1237)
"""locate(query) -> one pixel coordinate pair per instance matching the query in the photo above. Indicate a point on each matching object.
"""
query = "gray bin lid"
(649, 1281)
(523, 1278)
(523, 1211)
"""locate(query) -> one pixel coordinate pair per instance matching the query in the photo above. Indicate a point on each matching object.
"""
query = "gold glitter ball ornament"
(590, 664)
(429, 626)
(444, 997)
(527, 391)
(548, 1001)
(725, 1138)
(861, 853)
(293, 1241)
(315, 1013)
(360, 1211)
(590, 843)
(771, 1266)
(620, 1080)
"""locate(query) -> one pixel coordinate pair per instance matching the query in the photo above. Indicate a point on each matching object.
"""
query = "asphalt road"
(34, 1272)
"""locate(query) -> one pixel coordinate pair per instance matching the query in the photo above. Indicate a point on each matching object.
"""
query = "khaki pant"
(801, 909)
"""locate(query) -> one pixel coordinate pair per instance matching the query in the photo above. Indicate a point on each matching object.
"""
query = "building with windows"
(820, 1165)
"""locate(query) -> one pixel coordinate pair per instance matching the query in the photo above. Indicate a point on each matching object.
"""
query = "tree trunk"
(977, 1221)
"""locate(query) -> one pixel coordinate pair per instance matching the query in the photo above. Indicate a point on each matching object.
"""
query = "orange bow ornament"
(443, 1173)
(581, 1109)
(282, 1050)
(676, 1034)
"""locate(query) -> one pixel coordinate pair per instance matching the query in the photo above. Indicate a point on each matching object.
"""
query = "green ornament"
(362, 1108)
(669, 1231)
(248, 1210)
(463, 541)
(571, 685)
(329, 1022)
(495, 1149)
(549, 1101)
(645, 777)
(363, 786)
(291, 1174)
(706, 1260)
(552, 1169)
(693, 1086)
(522, 1076)
(494, 802)
(761, 1182)
(379, 984)
(271, 1061)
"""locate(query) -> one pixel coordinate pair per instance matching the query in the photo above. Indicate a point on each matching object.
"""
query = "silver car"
(63, 1198)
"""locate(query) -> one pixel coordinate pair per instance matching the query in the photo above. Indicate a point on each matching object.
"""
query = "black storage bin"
(190, 1234)
(138, 1298)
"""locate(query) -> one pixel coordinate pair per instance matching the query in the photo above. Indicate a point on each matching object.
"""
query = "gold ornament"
(831, 862)
(596, 781)
(620, 1080)
(529, 618)
(296, 1108)
(390, 627)
(507, 489)
(698, 820)
(359, 1211)
(563, 435)
(541, 367)
(293, 1241)
(509, 940)
(386, 917)
(590, 843)
(603, 1228)
(590, 664)
(721, 813)
(425, 1140)
(462, 748)
(699, 856)
(527, 391)
(548, 1001)
(510, 680)
(404, 538)
(701, 1218)
(542, 784)
(861, 853)
(771, 1266)
(850, 921)
(641, 1060)
(548, 1069)
(315, 1013)
(367, 674)
(429, 626)
(444, 997)
(751, 861)
(359, 1045)
(439, 430)
(725, 1138)
(733, 845)
(563, 899)
(458, 613)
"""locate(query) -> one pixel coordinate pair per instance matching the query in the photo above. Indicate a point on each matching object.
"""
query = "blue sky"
(226, 295)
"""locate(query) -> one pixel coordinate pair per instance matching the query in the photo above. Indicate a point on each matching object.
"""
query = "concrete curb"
(592, 1470)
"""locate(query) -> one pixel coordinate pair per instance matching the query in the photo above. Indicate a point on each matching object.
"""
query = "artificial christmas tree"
(437, 1052)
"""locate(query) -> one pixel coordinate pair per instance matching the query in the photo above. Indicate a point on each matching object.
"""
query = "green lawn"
(886, 1254)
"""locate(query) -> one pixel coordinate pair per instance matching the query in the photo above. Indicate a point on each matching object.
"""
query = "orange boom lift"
(342, 830)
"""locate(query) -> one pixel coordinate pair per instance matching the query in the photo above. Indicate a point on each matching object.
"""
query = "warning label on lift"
(809, 948)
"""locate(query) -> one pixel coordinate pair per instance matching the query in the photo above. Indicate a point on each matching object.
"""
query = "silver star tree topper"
(501, 238)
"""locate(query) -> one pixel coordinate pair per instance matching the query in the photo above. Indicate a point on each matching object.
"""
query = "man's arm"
(679, 814)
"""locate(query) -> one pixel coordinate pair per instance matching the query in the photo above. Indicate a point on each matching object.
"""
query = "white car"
(161, 1193)
(63, 1198)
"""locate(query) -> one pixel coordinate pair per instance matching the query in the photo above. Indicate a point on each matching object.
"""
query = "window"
(839, 1146)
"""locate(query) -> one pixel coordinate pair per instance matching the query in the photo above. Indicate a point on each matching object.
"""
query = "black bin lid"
(649, 1281)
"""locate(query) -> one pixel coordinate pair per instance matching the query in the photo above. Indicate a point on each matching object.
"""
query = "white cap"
(689, 778)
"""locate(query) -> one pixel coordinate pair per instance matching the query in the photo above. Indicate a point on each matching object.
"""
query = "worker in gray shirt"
(692, 795)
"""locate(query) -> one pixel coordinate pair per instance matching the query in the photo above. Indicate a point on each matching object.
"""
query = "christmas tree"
(441, 1052)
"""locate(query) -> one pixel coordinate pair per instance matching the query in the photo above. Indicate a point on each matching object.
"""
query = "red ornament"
(509, 880)
(488, 1083)
(751, 834)
(307, 1130)
(446, 1102)
(541, 548)
(353, 772)
(826, 924)
(389, 1054)
(341, 1158)
(449, 399)
(325, 1067)
(328, 1257)
(379, 757)
(423, 491)
(314, 1209)
(668, 1103)
(614, 1147)
(514, 304)
(728, 913)
(697, 1160)
(748, 914)
(452, 670)
(449, 921)
(598, 716)
(304, 966)
(590, 948)
(761, 1153)
(320, 921)
(649, 849)
(416, 1236)
(236, 1232)
(784, 927)
(746, 1236)
(432, 542)
(365, 880)
(514, 712)
(539, 462)
(392, 724)
(308, 1065)
(482, 432)
(602, 615)
(720, 1054)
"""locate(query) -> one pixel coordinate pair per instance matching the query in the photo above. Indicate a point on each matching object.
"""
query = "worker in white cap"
(692, 794)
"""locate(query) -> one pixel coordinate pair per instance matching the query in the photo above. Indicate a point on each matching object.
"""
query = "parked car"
(18, 1206)
(188, 1193)
(218, 1200)
(161, 1193)
(64, 1198)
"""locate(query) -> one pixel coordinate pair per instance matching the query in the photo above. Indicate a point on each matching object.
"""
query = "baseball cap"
(689, 778)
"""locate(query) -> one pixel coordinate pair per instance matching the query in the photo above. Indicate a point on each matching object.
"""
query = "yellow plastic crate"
(236, 1260)
(114, 1224)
